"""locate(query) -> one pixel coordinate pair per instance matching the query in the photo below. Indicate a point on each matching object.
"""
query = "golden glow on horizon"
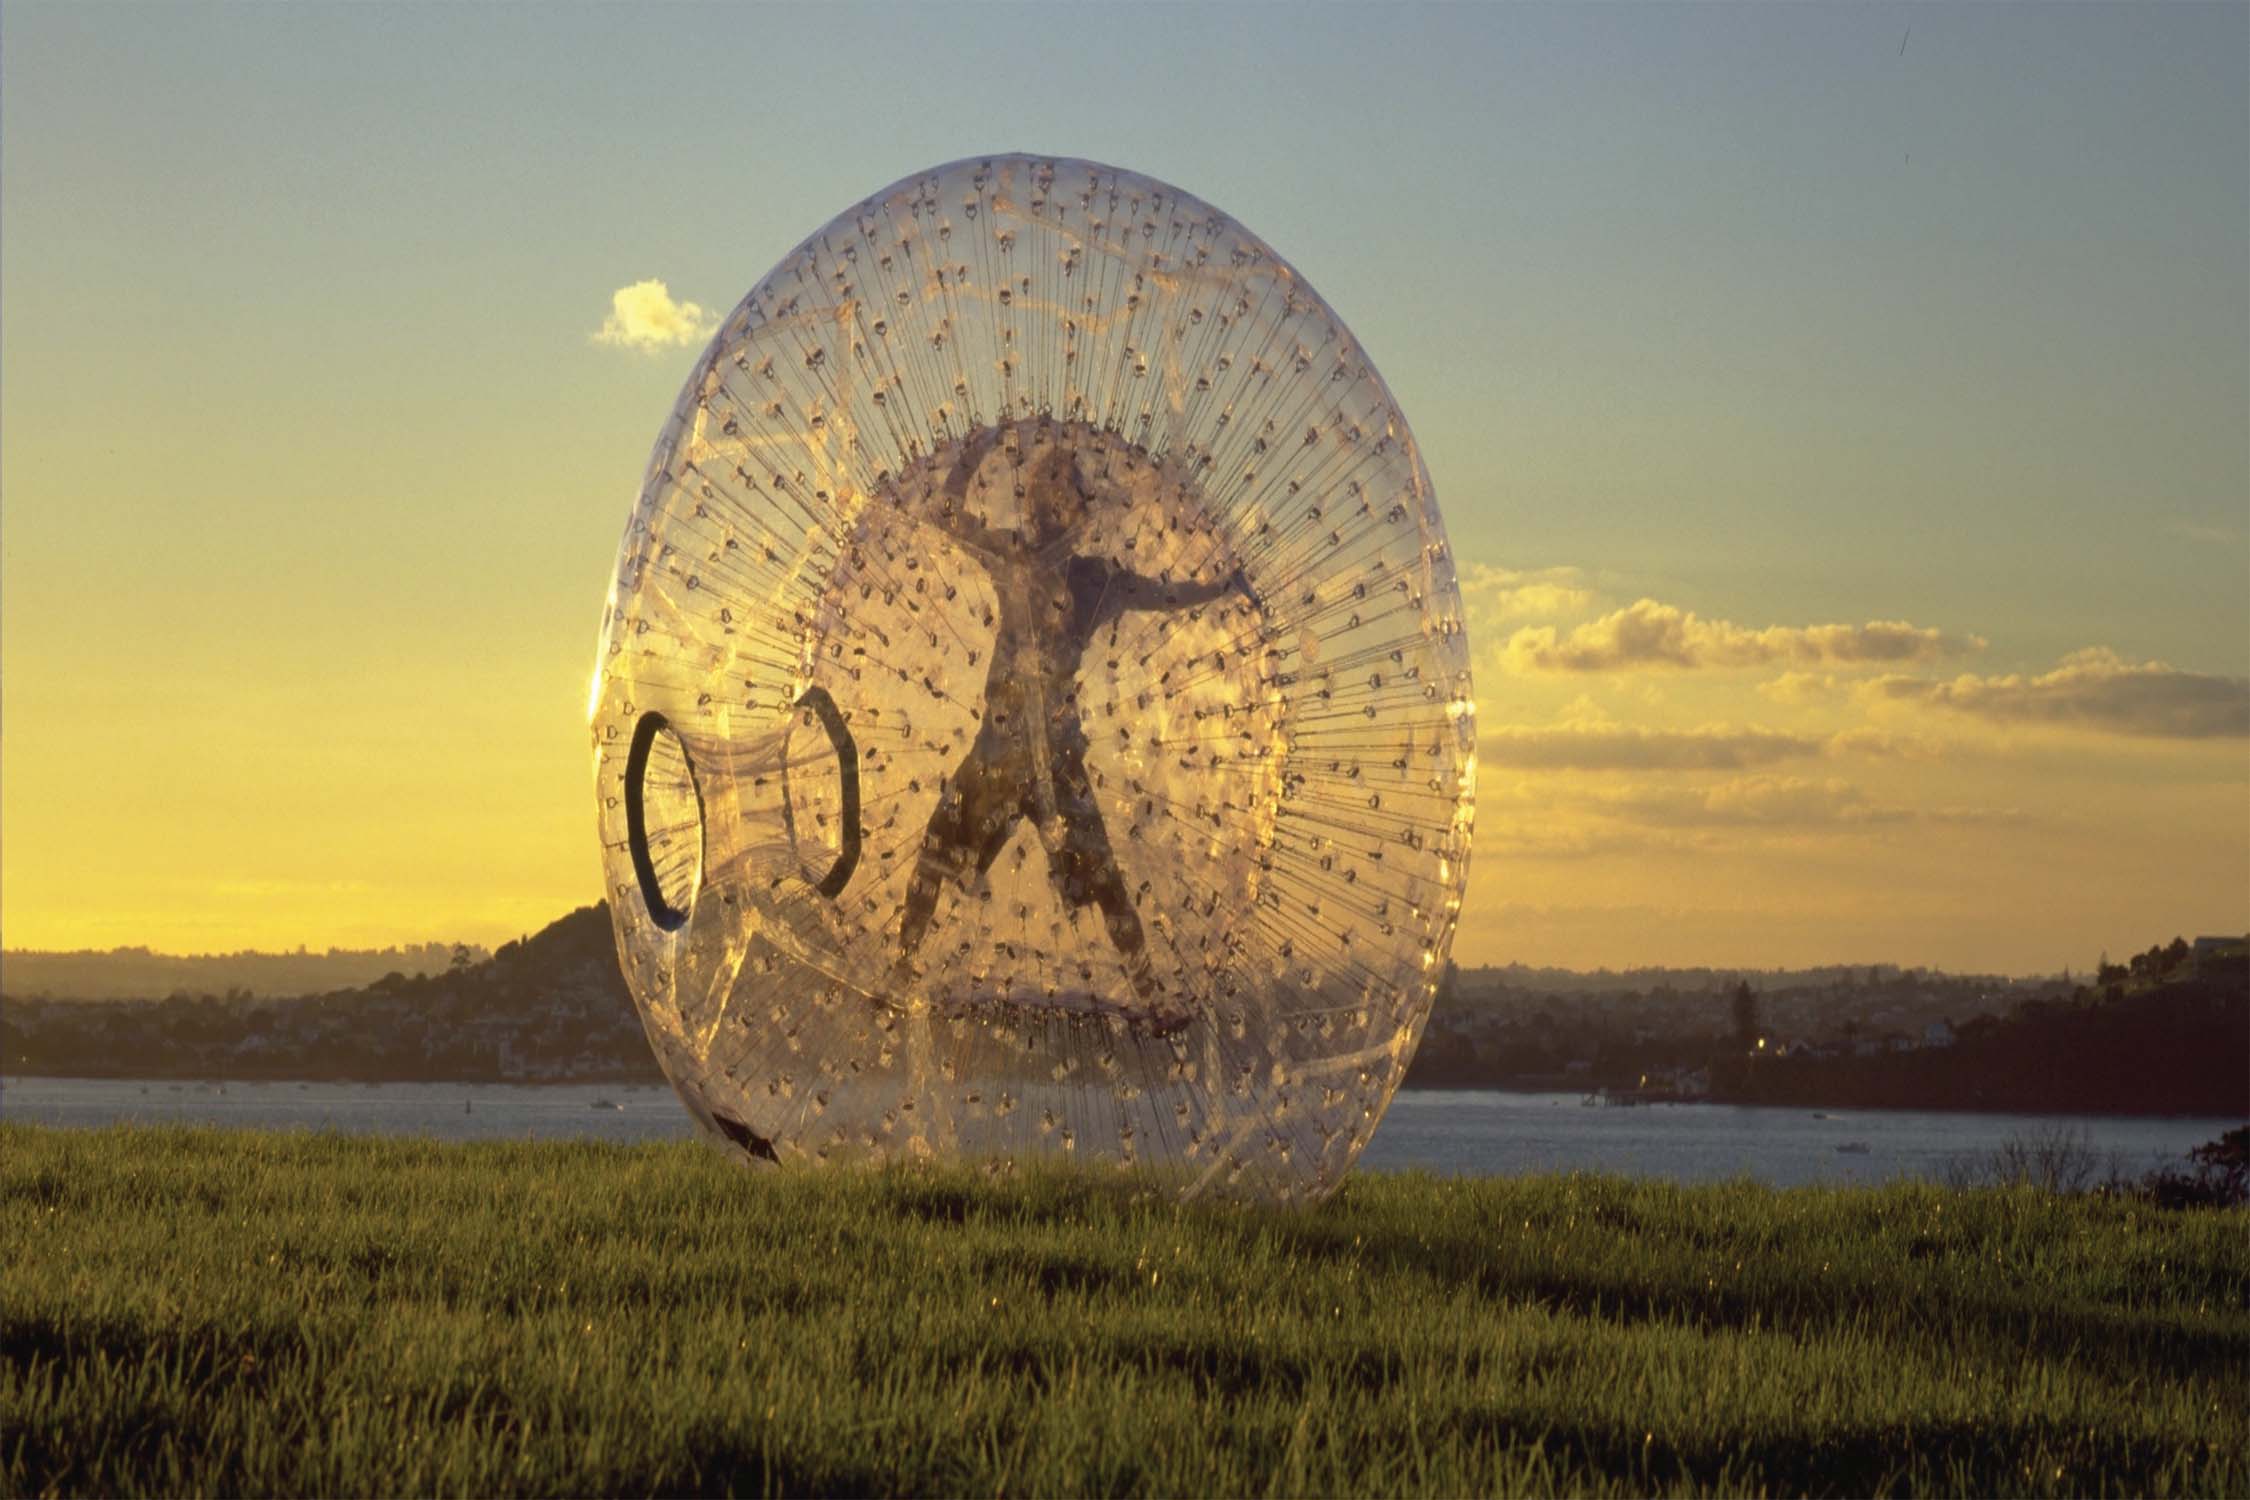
(1637, 815)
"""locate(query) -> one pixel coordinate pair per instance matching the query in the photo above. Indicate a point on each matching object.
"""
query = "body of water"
(1481, 1132)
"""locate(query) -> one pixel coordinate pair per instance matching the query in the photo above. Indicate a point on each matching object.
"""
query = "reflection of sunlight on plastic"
(1033, 713)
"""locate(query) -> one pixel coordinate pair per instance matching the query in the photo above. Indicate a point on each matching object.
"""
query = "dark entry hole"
(663, 821)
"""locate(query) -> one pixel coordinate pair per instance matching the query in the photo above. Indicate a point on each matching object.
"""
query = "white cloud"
(1607, 747)
(1883, 744)
(1800, 689)
(643, 316)
(1769, 801)
(1650, 634)
(1530, 839)
(1779, 802)
(2092, 689)
(1496, 594)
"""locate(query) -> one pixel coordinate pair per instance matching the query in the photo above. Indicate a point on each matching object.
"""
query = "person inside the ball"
(1028, 760)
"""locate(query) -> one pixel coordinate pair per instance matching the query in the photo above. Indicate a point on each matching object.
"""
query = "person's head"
(1055, 498)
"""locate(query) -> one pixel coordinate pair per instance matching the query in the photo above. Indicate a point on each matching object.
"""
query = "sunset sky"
(1839, 414)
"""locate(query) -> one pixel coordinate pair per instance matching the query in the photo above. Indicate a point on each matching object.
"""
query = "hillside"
(139, 974)
(2180, 1046)
(550, 1008)
(553, 1008)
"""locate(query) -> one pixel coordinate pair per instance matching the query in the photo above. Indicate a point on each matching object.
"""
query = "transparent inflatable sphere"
(1033, 714)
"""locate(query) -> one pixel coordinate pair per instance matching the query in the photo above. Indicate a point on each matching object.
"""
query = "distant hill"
(553, 1007)
(138, 974)
(2179, 1044)
(1533, 979)
(550, 1008)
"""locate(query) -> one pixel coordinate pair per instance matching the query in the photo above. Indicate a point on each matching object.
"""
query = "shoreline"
(633, 1079)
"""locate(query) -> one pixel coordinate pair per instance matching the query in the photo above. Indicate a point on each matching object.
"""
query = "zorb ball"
(1033, 713)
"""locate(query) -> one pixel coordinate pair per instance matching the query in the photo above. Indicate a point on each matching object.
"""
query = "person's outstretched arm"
(1121, 589)
(1130, 591)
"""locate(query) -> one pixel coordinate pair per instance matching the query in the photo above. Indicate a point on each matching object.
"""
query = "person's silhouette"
(1029, 757)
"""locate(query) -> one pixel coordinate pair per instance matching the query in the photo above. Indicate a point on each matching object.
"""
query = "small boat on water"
(1854, 1148)
(606, 1104)
(1646, 1094)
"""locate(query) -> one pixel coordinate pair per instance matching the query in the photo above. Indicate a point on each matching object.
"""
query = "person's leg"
(947, 847)
(996, 839)
(931, 868)
(966, 833)
(1087, 872)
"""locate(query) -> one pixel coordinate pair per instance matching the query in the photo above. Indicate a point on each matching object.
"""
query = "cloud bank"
(1612, 747)
(1752, 801)
(2092, 689)
(643, 316)
(1519, 593)
(1765, 801)
(1650, 634)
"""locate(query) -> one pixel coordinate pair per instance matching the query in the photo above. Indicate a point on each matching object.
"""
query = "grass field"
(195, 1311)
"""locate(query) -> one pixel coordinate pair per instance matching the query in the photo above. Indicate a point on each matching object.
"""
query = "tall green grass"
(195, 1311)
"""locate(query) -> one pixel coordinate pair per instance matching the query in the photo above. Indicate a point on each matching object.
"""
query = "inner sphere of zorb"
(1033, 714)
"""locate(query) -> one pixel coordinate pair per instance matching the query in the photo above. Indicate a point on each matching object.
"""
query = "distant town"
(2164, 1031)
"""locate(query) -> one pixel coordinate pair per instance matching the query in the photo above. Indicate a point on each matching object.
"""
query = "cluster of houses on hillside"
(564, 1018)
(1492, 1028)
